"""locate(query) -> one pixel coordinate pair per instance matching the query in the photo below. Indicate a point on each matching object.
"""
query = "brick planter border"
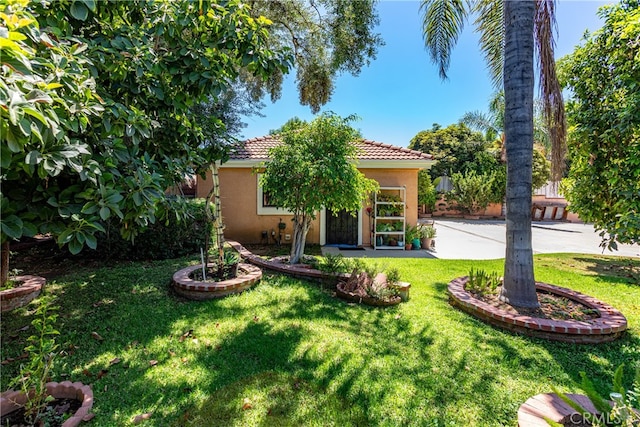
(532, 413)
(13, 400)
(22, 295)
(248, 275)
(301, 271)
(610, 325)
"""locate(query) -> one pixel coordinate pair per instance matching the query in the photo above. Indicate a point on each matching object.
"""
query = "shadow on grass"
(295, 352)
(614, 270)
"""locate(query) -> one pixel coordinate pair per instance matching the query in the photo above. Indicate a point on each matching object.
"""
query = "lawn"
(288, 353)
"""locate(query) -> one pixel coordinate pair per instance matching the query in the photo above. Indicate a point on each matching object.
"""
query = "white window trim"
(267, 210)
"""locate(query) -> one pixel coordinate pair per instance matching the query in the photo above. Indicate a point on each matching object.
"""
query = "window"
(265, 206)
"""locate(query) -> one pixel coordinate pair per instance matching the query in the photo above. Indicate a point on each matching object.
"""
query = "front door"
(342, 229)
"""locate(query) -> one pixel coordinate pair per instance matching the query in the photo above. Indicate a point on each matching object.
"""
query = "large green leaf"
(79, 11)
(11, 226)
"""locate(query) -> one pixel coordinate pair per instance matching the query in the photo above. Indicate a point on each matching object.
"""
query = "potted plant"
(410, 233)
(427, 234)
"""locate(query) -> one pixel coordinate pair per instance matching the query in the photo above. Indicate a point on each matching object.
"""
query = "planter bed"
(11, 401)
(340, 292)
(302, 271)
(21, 295)
(609, 326)
(248, 275)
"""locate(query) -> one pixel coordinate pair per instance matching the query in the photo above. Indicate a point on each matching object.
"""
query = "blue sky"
(400, 93)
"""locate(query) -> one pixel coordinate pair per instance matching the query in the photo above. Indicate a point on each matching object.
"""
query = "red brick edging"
(17, 297)
(532, 413)
(299, 270)
(609, 326)
(248, 275)
(13, 400)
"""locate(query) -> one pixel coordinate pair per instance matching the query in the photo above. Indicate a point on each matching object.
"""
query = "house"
(249, 218)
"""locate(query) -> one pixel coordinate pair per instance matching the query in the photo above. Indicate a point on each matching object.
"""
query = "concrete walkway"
(485, 239)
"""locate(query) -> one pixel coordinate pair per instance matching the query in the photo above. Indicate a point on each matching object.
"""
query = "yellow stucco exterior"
(243, 222)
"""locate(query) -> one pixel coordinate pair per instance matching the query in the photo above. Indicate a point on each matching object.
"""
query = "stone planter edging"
(609, 326)
(13, 400)
(22, 295)
(248, 275)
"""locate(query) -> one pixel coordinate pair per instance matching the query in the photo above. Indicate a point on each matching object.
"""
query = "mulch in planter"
(57, 412)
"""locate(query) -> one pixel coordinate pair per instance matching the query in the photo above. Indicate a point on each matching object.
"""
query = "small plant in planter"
(368, 286)
(411, 234)
(481, 282)
(41, 349)
(427, 233)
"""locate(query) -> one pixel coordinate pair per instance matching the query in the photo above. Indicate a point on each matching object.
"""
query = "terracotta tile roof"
(258, 148)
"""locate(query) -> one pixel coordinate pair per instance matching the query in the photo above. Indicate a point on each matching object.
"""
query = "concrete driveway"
(485, 239)
(480, 239)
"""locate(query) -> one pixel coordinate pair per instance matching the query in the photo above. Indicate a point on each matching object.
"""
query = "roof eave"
(365, 164)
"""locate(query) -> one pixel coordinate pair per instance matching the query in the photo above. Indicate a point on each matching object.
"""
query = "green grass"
(294, 355)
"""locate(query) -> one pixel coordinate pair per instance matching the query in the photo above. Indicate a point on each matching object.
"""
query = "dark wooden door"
(342, 229)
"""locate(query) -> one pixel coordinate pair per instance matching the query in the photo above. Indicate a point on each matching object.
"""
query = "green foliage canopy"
(315, 168)
(327, 37)
(604, 113)
(95, 104)
(456, 149)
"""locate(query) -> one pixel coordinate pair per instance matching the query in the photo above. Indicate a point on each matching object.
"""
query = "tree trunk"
(300, 229)
(4, 264)
(519, 283)
(215, 218)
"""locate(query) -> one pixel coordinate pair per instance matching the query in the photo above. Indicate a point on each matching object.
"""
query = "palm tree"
(508, 30)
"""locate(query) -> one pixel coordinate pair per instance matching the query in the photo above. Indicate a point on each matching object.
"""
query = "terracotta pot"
(11, 400)
(22, 295)
(407, 247)
(426, 242)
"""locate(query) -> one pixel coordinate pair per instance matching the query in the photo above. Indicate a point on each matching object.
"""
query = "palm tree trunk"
(519, 283)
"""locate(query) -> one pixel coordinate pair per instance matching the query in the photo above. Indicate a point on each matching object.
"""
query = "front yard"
(288, 353)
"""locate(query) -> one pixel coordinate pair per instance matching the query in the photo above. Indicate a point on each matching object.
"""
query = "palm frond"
(490, 24)
(442, 23)
(550, 90)
(496, 108)
(477, 120)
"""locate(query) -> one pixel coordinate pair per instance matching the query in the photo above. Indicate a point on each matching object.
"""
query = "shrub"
(169, 238)
(482, 282)
(472, 192)
(427, 194)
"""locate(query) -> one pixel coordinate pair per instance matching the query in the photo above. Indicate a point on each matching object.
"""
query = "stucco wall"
(394, 178)
(239, 194)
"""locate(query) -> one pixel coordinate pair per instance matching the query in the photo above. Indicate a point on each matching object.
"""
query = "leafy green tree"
(508, 30)
(315, 168)
(327, 38)
(427, 194)
(96, 100)
(456, 149)
(471, 192)
(47, 95)
(290, 125)
(604, 112)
